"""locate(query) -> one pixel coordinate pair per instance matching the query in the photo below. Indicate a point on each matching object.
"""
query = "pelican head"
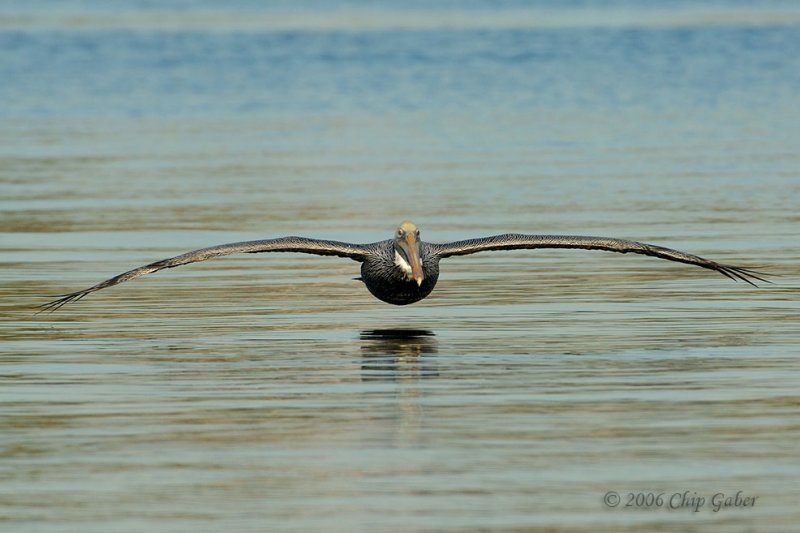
(406, 252)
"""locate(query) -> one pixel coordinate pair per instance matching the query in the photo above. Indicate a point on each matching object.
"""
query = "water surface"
(273, 392)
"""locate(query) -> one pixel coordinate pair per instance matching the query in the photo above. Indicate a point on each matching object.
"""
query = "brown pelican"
(404, 269)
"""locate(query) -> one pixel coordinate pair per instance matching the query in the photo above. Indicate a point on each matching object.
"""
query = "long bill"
(411, 248)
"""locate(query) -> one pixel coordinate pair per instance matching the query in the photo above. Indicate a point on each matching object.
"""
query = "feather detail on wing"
(357, 252)
(516, 241)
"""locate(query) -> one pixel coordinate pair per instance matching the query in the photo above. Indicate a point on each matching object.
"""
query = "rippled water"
(273, 392)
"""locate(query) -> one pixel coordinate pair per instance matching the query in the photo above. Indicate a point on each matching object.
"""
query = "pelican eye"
(400, 233)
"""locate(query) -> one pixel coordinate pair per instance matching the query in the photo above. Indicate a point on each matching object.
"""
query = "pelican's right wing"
(358, 252)
(516, 241)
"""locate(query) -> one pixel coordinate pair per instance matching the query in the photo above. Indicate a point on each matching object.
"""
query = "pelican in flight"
(404, 269)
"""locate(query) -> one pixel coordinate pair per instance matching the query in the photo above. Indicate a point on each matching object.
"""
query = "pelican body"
(404, 269)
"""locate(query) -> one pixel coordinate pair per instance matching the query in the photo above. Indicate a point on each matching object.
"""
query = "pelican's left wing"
(358, 252)
(516, 241)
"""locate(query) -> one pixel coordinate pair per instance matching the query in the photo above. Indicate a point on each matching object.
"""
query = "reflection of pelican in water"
(396, 334)
(386, 351)
(404, 269)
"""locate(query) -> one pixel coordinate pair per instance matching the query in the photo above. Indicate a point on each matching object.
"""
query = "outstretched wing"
(516, 241)
(357, 252)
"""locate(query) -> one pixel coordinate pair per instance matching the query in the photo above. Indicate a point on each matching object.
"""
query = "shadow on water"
(392, 354)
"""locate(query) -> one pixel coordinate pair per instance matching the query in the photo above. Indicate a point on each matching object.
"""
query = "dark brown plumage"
(404, 270)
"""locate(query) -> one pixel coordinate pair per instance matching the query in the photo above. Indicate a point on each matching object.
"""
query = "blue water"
(138, 70)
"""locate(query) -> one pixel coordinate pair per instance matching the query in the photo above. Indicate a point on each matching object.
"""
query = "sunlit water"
(273, 392)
